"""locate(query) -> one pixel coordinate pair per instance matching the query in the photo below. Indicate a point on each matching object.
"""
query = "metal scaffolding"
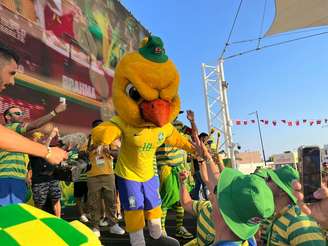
(216, 100)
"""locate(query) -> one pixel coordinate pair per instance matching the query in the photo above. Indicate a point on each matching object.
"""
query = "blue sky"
(284, 82)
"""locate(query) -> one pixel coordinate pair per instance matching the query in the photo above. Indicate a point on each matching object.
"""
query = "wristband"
(49, 153)
(53, 113)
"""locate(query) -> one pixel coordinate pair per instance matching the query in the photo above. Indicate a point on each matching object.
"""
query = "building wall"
(250, 167)
(248, 157)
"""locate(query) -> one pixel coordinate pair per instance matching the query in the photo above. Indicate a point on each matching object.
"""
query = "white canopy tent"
(296, 14)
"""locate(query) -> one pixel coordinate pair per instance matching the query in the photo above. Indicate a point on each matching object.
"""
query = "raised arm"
(54, 133)
(191, 118)
(179, 141)
(46, 118)
(203, 171)
(204, 155)
(185, 199)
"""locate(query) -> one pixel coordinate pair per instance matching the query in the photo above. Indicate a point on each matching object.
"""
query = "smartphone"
(62, 100)
(310, 166)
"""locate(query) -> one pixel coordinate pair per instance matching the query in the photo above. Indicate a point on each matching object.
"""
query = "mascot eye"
(132, 92)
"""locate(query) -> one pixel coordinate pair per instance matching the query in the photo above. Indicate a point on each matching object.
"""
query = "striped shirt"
(265, 228)
(205, 226)
(14, 164)
(292, 227)
(168, 155)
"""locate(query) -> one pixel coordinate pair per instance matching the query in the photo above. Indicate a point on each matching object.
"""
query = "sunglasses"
(17, 113)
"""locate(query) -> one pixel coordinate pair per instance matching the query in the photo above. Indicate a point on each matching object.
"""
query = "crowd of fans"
(263, 208)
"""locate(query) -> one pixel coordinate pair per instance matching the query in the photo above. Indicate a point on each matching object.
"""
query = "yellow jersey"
(138, 146)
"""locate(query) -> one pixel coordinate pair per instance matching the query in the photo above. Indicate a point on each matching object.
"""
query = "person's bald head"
(8, 67)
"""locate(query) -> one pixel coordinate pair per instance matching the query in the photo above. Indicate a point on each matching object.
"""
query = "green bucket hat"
(261, 172)
(154, 50)
(244, 201)
(283, 178)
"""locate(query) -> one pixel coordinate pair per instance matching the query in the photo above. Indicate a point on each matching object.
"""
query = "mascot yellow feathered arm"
(105, 133)
(177, 140)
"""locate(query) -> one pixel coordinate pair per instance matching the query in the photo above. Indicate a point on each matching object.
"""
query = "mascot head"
(145, 88)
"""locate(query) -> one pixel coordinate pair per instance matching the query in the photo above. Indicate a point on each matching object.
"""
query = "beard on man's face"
(2, 86)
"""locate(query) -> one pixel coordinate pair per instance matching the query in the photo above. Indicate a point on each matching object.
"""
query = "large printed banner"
(68, 48)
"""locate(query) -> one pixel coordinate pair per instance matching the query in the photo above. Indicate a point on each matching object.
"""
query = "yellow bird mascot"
(145, 97)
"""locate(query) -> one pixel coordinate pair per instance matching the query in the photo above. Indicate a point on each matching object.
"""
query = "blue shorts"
(12, 191)
(139, 195)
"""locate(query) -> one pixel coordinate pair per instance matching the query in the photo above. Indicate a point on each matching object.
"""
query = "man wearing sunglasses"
(10, 140)
(13, 165)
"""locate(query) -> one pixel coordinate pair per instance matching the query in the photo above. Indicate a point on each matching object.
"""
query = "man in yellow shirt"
(101, 184)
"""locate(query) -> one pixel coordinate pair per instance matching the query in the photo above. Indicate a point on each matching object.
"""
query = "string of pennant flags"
(304, 122)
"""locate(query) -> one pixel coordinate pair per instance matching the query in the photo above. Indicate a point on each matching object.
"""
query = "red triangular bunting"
(288, 122)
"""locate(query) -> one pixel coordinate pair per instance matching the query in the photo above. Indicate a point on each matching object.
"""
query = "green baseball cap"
(283, 178)
(153, 50)
(244, 201)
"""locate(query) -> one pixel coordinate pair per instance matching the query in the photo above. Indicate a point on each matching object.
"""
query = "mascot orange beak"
(156, 111)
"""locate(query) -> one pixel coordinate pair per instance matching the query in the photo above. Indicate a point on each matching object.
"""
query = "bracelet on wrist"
(49, 153)
(53, 113)
(208, 161)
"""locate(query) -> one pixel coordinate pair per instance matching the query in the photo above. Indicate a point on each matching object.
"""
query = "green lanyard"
(273, 221)
(270, 231)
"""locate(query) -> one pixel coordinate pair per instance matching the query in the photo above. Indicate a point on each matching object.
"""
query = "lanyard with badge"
(100, 160)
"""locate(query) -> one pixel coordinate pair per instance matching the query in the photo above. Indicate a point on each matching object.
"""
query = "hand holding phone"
(61, 107)
(62, 100)
(310, 172)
